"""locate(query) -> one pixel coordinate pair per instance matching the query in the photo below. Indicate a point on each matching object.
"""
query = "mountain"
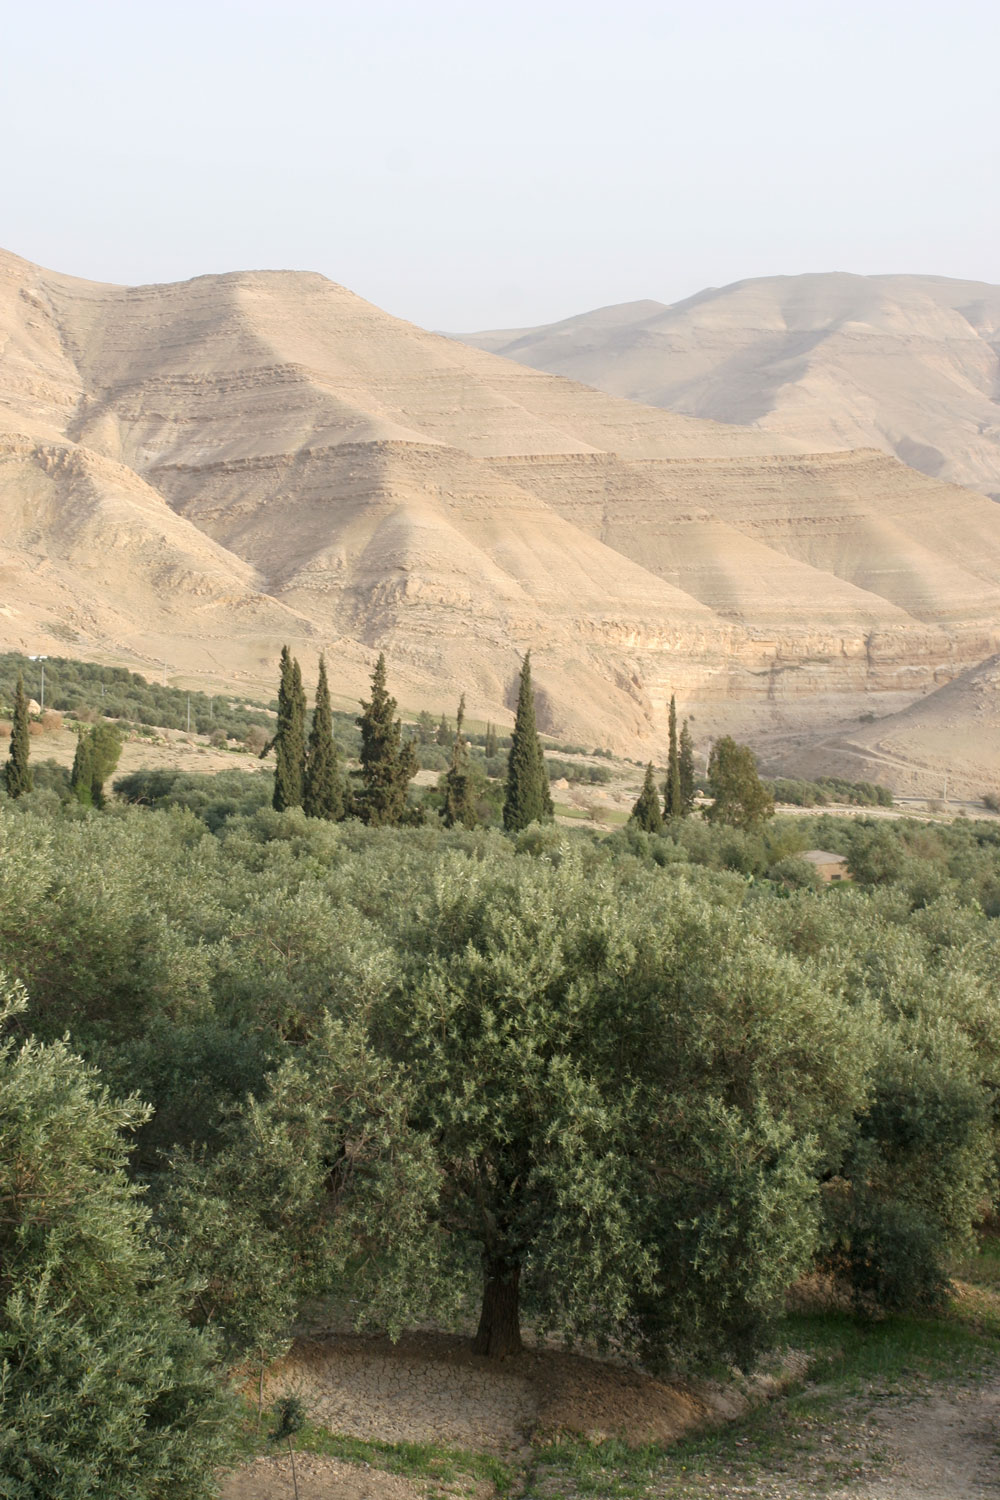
(908, 364)
(194, 473)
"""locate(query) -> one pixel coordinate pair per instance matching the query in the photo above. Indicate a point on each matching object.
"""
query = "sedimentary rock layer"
(909, 364)
(198, 472)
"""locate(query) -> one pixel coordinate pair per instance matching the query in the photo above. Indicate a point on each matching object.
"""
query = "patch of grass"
(449, 1470)
(815, 1437)
(418, 1460)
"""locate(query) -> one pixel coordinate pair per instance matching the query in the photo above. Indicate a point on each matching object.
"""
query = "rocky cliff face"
(196, 473)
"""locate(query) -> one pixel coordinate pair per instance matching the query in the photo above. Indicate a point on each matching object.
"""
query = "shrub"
(105, 1388)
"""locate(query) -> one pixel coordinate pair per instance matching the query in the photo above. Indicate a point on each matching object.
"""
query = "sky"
(473, 166)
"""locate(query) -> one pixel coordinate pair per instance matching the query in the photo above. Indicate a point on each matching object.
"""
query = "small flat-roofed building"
(827, 866)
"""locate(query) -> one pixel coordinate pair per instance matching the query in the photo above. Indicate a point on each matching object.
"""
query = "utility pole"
(43, 660)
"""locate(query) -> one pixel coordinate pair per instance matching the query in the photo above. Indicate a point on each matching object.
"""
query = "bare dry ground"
(918, 1439)
(171, 750)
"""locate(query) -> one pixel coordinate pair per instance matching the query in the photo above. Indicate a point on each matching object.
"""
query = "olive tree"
(104, 1387)
(610, 1104)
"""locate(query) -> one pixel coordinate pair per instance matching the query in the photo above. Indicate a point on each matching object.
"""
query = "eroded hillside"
(194, 473)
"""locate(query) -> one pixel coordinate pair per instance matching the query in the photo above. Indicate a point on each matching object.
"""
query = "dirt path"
(944, 1446)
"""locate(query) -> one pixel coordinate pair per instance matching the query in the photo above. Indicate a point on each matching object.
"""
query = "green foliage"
(323, 788)
(388, 763)
(800, 793)
(527, 799)
(81, 777)
(642, 1074)
(673, 799)
(105, 750)
(97, 753)
(551, 1018)
(574, 772)
(322, 1185)
(213, 798)
(289, 738)
(104, 1388)
(459, 804)
(646, 812)
(17, 772)
(739, 796)
(685, 767)
(72, 686)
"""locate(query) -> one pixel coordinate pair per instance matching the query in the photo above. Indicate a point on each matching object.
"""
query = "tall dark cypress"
(289, 739)
(17, 772)
(528, 799)
(459, 803)
(81, 778)
(646, 811)
(672, 802)
(322, 789)
(685, 762)
(388, 764)
(490, 748)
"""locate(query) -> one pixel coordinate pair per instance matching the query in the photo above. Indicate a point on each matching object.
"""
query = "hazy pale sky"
(472, 166)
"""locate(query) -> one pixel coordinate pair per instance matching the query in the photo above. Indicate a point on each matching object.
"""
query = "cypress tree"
(387, 762)
(528, 799)
(105, 751)
(425, 728)
(491, 746)
(17, 771)
(289, 738)
(443, 734)
(81, 778)
(460, 717)
(672, 802)
(646, 812)
(459, 806)
(685, 764)
(323, 790)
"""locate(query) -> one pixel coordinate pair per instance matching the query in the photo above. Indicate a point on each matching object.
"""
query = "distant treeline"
(84, 688)
(795, 792)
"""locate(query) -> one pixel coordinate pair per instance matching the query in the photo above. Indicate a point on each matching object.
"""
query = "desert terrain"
(193, 474)
(908, 364)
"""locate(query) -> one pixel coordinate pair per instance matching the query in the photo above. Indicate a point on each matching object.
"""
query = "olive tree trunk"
(499, 1333)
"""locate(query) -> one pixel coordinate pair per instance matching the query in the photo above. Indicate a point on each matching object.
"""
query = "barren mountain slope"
(909, 364)
(946, 744)
(197, 472)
